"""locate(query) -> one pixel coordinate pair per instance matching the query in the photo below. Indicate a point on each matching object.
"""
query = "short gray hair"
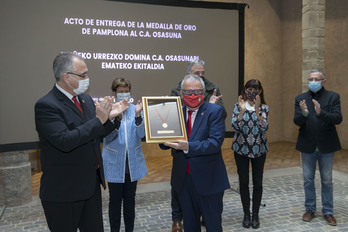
(194, 62)
(192, 77)
(319, 71)
(63, 63)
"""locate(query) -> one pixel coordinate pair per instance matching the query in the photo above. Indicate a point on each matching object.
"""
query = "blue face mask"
(121, 96)
(314, 86)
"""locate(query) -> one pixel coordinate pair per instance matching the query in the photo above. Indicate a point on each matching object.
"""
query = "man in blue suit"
(199, 173)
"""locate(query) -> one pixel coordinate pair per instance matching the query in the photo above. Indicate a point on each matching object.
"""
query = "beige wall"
(273, 54)
(336, 58)
(291, 65)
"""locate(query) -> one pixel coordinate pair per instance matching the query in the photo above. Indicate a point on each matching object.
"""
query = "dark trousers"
(257, 165)
(194, 205)
(68, 216)
(176, 207)
(118, 192)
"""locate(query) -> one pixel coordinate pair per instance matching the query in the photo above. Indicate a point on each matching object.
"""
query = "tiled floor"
(281, 212)
(282, 196)
(281, 155)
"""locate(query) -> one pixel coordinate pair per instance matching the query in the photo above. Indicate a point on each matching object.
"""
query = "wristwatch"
(260, 113)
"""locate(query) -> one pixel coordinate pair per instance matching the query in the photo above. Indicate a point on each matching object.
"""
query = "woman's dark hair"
(256, 84)
(120, 82)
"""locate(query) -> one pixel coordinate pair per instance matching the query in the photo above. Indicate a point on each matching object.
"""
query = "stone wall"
(273, 54)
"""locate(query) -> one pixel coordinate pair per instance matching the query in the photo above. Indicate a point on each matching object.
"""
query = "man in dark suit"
(199, 174)
(69, 127)
(317, 111)
(211, 94)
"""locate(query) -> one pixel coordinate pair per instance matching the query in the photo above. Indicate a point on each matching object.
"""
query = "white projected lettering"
(135, 29)
(76, 21)
(109, 32)
(109, 65)
(134, 57)
(127, 28)
(107, 23)
(107, 56)
(172, 35)
(165, 26)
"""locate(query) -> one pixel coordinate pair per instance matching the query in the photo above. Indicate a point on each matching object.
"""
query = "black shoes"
(246, 220)
(255, 222)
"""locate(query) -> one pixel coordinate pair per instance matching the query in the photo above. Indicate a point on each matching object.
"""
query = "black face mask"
(202, 77)
(251, 96)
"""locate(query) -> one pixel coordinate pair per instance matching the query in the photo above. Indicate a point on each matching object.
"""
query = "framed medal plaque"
(164, 120)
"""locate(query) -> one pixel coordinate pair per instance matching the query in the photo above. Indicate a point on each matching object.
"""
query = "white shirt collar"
(249, 107)
(68, 95)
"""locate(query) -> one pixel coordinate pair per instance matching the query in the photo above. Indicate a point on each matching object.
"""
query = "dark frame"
(184, 3)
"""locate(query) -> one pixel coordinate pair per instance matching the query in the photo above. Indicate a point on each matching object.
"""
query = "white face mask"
(83, 85)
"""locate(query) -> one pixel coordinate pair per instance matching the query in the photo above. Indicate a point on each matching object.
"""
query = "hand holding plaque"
(178, 145)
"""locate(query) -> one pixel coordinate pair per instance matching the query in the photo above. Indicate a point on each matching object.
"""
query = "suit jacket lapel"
(66, 101)
(185, 118)
(184, 112)
(89, 111)
(198, 120)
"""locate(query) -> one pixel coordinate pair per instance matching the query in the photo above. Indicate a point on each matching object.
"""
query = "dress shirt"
(193, 117)
(68, 95)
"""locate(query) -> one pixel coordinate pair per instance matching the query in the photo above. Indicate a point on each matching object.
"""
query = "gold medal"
(164, 124)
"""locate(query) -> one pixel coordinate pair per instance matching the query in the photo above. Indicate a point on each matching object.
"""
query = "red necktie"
(77, 103)
(189, 124)
(189, 129)
(80, 108)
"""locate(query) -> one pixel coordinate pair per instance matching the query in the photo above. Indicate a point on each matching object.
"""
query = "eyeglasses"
(80, 75)
(192, 91)
(315, 79)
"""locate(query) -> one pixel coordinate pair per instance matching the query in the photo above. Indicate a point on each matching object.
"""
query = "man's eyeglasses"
(192, 91)
(80, 75)
(315, 79)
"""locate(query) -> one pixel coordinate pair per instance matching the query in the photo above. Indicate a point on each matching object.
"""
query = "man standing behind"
(69, 127)
(317, 111)
(199, 174)
(212, 93)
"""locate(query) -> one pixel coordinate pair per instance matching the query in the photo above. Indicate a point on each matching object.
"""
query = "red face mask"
(193, 101)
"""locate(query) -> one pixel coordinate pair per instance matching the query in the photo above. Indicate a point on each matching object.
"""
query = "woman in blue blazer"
(123, 159)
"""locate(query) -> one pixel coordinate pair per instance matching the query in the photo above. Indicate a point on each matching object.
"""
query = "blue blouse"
(122, 145)
(250, 137)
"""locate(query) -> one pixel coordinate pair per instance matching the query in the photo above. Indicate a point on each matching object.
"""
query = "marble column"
(313, 38)
(15, 178)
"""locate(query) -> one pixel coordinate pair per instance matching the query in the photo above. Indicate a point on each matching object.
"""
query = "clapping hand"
(303, 106)
(241, 103)
(103, 109)
(257, 102)
(316, 106)
(118, 108)
(138, 108)
(215, 99)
